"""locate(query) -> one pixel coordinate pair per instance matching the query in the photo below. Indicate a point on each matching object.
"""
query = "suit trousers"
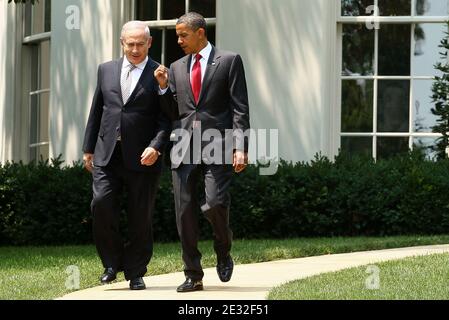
(108, 185)
(215, 207)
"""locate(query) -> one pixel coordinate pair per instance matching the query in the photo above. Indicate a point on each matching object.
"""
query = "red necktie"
(196, 78)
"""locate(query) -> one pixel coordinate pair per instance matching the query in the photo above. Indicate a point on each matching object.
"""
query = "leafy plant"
(47, 203)
(440, 96)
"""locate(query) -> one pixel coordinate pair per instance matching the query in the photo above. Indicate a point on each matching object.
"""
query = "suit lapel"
(212, 66)
(187, 62)
(118, 75)
(144, 81)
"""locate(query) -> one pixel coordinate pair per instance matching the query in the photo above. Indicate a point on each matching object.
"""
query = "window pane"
(356, 7)
(357, 145)
(211, 34)
(173, 51)
(426, 145)
(38, 153)
(432, 7)
(393, 106)
(146, 10)
(28, 13)
(358, 50)
(34, 119)
(173, 9)
(43, 120)
(156, 46)
(427, 39)
(44, 152)
(39, 118)
(47, 26)
(423, 119)
(395, 7)
(388, 147)
(394, 50)
(44, 65)
(203, 7)
(34, 67)
(357, 106)
(38, 17)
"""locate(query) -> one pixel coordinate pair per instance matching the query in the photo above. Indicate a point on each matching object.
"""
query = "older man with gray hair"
(125, 135)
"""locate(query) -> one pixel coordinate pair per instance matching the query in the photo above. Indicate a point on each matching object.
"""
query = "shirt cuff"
(162, 91)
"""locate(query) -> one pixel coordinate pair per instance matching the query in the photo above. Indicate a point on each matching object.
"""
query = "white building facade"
(325, 73)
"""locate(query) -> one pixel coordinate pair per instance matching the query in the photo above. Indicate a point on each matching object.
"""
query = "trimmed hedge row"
(47, 204)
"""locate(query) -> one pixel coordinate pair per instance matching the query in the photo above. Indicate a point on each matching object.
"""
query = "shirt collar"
(140, 66)
(205, 53)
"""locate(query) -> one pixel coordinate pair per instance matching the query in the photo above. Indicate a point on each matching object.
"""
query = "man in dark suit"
(124, 136)
(204, 92)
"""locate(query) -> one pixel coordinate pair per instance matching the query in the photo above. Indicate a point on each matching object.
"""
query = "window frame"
(34, 41)
(413, 20)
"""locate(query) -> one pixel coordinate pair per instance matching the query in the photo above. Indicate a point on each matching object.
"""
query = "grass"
(416, 278)
(38, 273)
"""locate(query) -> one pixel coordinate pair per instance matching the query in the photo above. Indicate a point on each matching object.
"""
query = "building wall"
(75, 56)
(3, 32)
(288, 47)
(7, 79)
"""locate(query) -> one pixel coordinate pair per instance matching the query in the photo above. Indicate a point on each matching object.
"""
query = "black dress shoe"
(137, 284)
(109, 275)
(225, 268)
(190, 285)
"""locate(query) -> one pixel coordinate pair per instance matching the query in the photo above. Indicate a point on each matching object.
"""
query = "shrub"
(47, 204)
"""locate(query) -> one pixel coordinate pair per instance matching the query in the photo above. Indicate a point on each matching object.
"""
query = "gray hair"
(132, 25)
(193, 20)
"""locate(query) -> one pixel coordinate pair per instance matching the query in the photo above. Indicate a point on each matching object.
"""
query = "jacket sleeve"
(163, 133)
(169, 101)
(94, 121)
(239, 104)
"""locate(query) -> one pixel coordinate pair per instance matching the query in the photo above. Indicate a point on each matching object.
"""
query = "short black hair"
(193, 20)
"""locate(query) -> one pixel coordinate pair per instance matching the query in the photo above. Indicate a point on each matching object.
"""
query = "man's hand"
(149, 157)
(88, 160)
(161, 75)
(240, 161)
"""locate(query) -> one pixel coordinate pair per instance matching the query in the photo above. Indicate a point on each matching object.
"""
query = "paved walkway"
(249, 282)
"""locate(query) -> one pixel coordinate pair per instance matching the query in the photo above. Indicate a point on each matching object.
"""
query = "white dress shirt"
(136, 73)
(205, 55)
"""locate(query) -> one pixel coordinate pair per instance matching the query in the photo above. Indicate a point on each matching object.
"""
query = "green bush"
(44, 204)
(47, 204)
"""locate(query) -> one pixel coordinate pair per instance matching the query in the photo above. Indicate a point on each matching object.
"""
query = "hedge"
(49, 204)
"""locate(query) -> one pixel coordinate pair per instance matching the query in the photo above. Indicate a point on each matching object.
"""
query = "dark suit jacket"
(223, 102)
(141, 122)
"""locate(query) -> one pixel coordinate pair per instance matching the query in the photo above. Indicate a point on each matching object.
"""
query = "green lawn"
(40, 272)
(416, 278)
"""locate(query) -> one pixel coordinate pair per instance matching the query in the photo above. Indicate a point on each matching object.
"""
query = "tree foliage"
(440, 97)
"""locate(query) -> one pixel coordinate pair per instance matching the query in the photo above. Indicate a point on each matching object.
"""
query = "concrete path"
(249, 282)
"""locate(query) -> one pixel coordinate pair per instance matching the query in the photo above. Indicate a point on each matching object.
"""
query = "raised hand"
(161, 75)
